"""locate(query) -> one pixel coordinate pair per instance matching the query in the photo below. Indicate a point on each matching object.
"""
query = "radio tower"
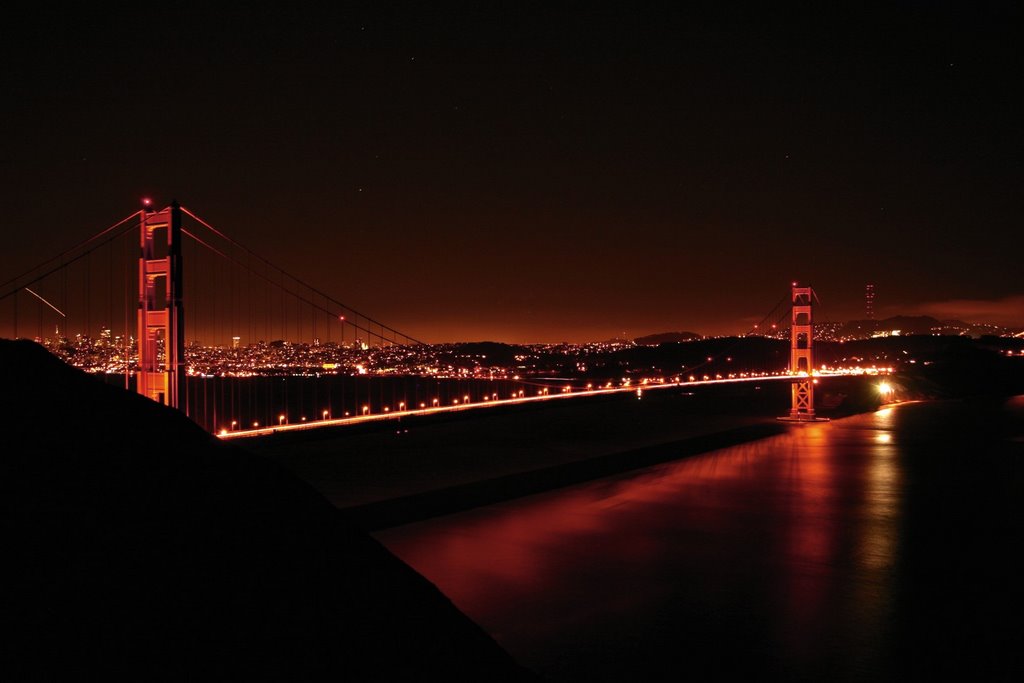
(869, 301)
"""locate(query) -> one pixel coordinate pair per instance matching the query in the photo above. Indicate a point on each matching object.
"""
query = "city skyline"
(542, 176)
(825, 330)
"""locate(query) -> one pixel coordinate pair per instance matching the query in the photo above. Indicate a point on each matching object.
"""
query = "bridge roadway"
(543, 395)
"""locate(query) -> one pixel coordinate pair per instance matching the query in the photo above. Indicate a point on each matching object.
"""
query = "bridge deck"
(541, 397)
(421, 465)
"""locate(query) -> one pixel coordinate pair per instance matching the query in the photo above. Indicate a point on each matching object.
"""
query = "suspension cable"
(69, 250)
(285, 289)
(298, 280)
(65, 263)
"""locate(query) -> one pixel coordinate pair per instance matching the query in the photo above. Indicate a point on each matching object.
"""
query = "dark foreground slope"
(137, 545)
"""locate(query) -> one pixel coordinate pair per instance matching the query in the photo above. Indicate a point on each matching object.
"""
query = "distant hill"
(906, 324)
(919, 324)
(666, 337)
(485, 353)
(138, 546)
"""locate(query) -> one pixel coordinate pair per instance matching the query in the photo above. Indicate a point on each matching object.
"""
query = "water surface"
(874, 547)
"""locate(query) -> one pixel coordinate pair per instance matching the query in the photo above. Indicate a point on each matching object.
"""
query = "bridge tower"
(161, 319)
(801, 357)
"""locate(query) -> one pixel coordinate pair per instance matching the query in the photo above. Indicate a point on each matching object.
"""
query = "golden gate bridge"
(228, 292)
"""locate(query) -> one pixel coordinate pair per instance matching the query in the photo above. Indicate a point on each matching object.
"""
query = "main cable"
(65, 263)
(235, 243)
(69, 250)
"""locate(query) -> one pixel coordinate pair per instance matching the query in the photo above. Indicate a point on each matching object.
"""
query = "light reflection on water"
(773, 558)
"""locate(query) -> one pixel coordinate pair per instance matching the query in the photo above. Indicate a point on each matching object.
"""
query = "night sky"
(537, 174)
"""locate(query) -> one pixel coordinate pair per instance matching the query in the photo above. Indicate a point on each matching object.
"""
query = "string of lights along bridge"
(170, 306)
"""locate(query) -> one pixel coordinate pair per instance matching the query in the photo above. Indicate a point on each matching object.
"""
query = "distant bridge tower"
(161, 315)
(801, 357)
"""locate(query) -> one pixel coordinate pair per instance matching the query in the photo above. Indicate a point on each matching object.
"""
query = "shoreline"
(393, 512)
(387, 514)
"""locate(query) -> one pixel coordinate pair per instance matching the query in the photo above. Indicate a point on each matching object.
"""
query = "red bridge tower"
(161, 315)
(801, 356)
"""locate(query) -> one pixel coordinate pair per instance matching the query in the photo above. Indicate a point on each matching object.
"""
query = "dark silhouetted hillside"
(138, 546)
(666, 337)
